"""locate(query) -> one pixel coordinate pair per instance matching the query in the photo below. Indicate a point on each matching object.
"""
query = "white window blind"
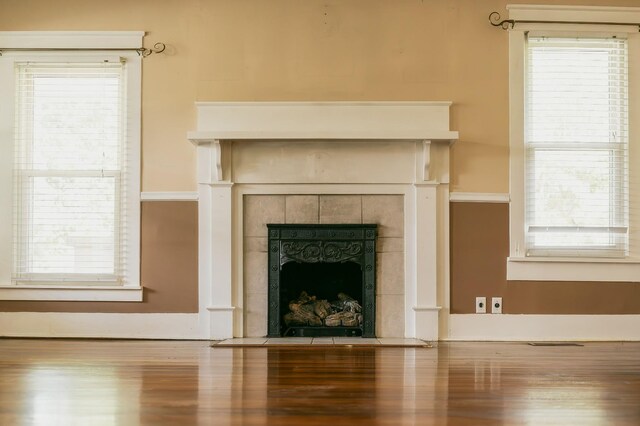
(69, 174)
(576, 147)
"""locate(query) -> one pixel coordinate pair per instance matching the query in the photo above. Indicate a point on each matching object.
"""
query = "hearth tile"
(390, 273)
(255, 244)
(327, 341)
(340, 209)
(385, 210)
(390, 315)
(289, 340)
(390, 245)
(243, 341)
(394, 341)
(256, 315)
(255, 273)
(355, 341)
(322, 341)
(260, 210)
(302, 209)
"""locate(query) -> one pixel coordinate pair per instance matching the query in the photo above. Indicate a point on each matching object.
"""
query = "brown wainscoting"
(479, 248)
(169, 266)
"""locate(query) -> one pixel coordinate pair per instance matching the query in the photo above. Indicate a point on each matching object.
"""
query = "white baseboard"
(489, 327)
(470, 327)
(100, 325)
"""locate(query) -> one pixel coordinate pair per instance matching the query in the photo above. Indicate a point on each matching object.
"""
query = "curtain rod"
(142, 51)
(494, 19)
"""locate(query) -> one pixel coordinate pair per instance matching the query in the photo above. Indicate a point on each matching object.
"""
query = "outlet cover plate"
(496, 305)
(481, 305)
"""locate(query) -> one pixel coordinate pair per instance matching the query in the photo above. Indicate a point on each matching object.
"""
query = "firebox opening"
(325, 282)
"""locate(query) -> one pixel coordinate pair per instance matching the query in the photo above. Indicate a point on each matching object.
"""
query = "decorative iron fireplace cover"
(312, 243)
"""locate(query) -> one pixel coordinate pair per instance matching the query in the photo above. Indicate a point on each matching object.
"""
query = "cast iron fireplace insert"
(327, 262)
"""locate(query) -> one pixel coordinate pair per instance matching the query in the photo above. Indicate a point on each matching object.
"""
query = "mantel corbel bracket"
(212, 167)
(216, 161)
(432, 161)
(426, 160)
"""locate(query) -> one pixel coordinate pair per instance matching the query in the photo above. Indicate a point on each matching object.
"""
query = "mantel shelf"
(199, 137)
(370, 121)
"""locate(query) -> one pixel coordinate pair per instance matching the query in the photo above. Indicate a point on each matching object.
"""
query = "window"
(70, 138)
(67, 172)
(574, 144)
(576, 138)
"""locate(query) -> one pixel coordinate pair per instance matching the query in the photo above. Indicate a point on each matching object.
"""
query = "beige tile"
(340, 209)
(255, 315)
(255, 244)
(260, 210)
(243, 341)
(355, 341)
(385, 210)
(398, 341)
(289, 341)
(390, 273)
(255, 272)
(390, 316)
(384, 245)
(322, 341)
(302, 209)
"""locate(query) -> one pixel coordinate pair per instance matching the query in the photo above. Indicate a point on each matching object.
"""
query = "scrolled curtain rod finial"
(495, 20)
(157, 48)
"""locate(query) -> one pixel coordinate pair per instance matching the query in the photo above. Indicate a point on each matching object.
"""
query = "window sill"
(71, 293)
(564, 269)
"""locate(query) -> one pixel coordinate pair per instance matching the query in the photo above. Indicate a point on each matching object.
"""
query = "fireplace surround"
(325, 150)
(326, 260)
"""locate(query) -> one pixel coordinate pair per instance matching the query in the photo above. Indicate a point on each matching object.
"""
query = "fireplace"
(322, 280)
(346, 160)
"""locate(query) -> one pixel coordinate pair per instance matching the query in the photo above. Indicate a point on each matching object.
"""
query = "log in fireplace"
(322, 280)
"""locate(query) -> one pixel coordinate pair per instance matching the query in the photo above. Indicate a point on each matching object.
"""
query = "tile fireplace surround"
(353, 152)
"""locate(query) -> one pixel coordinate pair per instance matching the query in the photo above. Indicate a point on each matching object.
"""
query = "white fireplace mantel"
(417, 138)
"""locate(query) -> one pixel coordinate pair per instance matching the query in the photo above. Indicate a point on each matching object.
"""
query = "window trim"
(131, 290)
(520, 267)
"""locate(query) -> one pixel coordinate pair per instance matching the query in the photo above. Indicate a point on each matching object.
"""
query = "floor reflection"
(55, 392)
(45, 382)
(322, 382)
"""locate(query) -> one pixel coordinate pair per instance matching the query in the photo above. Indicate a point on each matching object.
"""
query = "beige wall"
(241, 50)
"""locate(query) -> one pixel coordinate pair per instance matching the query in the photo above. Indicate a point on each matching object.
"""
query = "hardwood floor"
(83, 382)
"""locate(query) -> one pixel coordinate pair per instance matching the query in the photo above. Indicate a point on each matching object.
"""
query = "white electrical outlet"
(496, 305)
(481, 305)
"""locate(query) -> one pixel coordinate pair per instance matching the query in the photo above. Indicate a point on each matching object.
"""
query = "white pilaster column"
(215, 240)
(426, 309)
(427, 253)
(220, 303)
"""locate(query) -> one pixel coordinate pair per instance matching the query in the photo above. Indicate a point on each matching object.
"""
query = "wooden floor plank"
(84, 382)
